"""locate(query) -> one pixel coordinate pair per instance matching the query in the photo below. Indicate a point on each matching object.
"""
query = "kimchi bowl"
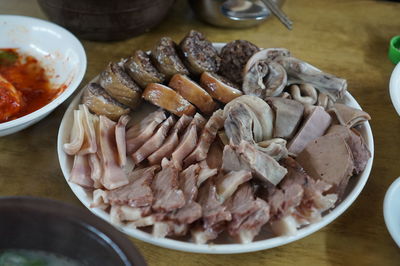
(58, 51)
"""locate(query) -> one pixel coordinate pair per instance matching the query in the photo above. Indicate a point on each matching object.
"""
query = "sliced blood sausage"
(199, 54)
(120, 86)
(234, 56)
(141, 70)
(101, 103)
(165, 58)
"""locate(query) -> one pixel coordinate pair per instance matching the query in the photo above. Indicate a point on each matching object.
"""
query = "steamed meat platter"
(239, 142)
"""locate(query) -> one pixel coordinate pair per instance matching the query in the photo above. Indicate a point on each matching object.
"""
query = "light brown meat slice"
(356, 143)
(141, 132)
(113, 175)
(328, 158)
(80, 173)
(207, 137)
(246, 156)
(154, 142)
(219, 88)
(192, 92)
(165, 186)
(141, 70)
(314, 126)
(188, 141)
(227, 184)
(168, 99)
(137, 193)
(172, 141)
(188, 214)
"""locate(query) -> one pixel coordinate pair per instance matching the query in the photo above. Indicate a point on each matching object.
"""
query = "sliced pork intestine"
(262, 112)
(300, 72)
(76, 135)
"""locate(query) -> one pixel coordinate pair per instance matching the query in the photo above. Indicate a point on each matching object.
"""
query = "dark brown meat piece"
(234, 56)
(101, 103)
(120, 86)
(165, 58)
(199, 54)
(141, 70)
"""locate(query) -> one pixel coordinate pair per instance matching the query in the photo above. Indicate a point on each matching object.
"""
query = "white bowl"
(391, 210)
(58, 51)
(354, 188)
(394, 88)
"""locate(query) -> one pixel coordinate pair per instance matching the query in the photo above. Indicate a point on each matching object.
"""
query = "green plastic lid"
(394, 50)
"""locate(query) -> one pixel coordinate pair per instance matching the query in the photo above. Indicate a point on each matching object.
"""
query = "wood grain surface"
(347, 38)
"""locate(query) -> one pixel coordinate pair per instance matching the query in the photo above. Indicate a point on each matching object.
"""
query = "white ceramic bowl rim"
(391, 210)
(224, 248)
(71, 86)
(394, 88)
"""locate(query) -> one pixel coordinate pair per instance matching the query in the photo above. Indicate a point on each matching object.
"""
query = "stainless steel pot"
(231, 13)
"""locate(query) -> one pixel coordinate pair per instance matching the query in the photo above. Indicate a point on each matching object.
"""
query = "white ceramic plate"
(391, 210)
(354, 188)
(58, 51)
(394, 88)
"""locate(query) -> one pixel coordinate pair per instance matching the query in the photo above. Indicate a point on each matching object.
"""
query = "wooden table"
(347, 38)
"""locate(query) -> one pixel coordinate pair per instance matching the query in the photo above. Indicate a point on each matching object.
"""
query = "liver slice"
(328, 158)
(315, 126)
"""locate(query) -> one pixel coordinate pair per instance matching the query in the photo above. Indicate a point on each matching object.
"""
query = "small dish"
(59, 52)
(37, 224)
(394, 88)
(391, 210)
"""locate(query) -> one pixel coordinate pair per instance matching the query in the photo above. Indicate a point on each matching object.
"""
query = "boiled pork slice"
(214, 215)
(330, 159)
(188, 141)
(314, 126)
(113, 175)
(348, 116)
(207, 137)
(188, 184)
(288, 115)
(290, 209)
(120, 131)
(80, 173)
(249, 214)
(227, 184)
(138, 192)
(247, 157)
(167, 194)
(172, 141)
(141, 132)
(154, 142)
